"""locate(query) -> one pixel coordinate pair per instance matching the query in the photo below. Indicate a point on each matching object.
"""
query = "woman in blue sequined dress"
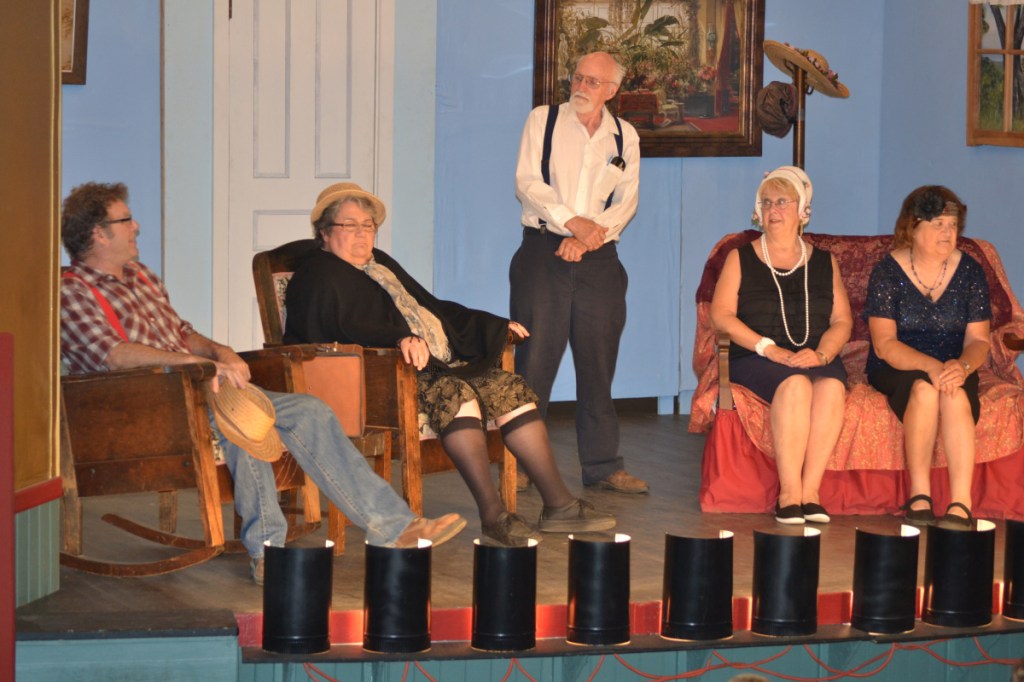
(928, 313)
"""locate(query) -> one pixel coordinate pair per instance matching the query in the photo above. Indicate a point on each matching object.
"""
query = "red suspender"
(108, 309)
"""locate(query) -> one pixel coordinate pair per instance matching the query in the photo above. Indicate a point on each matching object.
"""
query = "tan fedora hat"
(819, 75)
(246, 418)
(344, 190)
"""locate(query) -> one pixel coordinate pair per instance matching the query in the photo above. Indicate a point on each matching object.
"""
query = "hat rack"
(800, 85)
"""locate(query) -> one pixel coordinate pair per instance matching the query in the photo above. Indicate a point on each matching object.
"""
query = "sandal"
(919, 517)
(954, 521)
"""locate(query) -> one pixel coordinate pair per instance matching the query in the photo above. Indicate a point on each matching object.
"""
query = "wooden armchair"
(390, 386)
(147, 430)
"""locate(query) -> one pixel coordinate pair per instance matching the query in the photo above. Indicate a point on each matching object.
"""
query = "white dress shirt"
(577, 159)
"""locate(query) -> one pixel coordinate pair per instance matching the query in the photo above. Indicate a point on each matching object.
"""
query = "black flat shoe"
(919, 517)
(815, 513)
(790, 515)
(954, 521)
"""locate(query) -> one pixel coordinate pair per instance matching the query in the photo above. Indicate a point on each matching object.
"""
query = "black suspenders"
(545, 156)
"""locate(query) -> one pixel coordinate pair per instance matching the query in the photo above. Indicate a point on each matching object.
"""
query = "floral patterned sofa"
(866, 473)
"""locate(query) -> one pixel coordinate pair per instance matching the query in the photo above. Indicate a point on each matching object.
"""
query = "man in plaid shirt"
(116, 314)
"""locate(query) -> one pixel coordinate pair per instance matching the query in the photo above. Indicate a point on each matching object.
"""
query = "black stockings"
(526, 437)
(465, 442)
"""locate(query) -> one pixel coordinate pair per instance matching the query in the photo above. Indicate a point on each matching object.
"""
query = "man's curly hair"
(83, 209)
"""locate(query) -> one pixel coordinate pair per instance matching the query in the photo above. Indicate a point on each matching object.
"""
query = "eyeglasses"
(781, 204)
(108, 223)
(591, 82)
(353, 228)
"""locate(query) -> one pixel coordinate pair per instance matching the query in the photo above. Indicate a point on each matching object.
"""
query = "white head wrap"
(801, 184)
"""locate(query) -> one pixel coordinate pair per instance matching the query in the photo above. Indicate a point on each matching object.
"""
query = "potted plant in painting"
(701, 102)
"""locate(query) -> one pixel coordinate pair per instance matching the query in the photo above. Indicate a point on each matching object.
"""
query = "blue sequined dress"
(935, 328)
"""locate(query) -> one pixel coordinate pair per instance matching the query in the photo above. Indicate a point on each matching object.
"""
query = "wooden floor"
(657, 448)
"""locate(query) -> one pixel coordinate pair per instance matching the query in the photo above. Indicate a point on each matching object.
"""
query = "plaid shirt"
(143, 309)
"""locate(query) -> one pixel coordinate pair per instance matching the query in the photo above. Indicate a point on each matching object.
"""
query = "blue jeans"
(314, 437)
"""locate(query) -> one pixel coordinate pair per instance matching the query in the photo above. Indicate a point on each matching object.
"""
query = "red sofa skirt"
(737, 477)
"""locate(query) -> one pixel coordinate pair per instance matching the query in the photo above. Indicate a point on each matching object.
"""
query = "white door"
(302, 100)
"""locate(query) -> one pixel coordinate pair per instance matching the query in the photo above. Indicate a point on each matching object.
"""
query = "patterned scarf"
(421, 321)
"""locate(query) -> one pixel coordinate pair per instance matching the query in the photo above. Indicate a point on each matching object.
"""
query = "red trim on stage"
(38, 494)
(456, 625)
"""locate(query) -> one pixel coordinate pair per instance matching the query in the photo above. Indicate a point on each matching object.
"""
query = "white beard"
(581, 104)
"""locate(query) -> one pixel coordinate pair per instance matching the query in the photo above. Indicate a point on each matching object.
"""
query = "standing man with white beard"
(578, 179)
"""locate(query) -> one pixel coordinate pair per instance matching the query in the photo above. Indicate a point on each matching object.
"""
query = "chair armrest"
(386, 371)
(303, 351)
(196, 371)
(724, 389)
(278, 368)
(1013, 342)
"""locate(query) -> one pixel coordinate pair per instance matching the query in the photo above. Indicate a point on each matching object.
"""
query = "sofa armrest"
(724, 389)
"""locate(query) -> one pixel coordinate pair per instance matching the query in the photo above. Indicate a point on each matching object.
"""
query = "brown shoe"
(438, 531)
(622, 482)
(256, 570)
(510, 530)
(522, 480)
(578, 516)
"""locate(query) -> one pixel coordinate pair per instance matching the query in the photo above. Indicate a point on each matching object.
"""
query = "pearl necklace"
(938, 282)
(782, 304)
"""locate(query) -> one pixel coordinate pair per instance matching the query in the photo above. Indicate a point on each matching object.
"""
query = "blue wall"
(924, 124)
(111, 126)
(484, 93)
(904, 125)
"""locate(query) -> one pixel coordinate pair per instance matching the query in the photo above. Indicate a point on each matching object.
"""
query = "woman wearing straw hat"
(784, 307)
(350, 292)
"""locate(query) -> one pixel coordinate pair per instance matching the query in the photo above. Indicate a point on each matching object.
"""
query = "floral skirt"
(441, 395)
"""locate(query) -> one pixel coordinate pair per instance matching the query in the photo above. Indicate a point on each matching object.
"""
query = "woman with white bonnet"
(784, 307)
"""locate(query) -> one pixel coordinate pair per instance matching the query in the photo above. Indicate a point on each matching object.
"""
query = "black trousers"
(583, 305)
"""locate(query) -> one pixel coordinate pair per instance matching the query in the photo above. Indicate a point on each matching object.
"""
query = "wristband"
(822, 357)
(761, 346)
(967, 366)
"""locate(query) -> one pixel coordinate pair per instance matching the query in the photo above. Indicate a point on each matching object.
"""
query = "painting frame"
(74, 38)
(664, 129)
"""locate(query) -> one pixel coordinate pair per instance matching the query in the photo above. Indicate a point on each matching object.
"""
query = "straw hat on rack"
(819, 76)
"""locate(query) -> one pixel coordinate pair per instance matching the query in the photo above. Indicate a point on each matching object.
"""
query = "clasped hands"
(587, 236)
(803, 358)
(948, 376)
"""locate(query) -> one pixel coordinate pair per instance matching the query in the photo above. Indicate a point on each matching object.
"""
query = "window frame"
(1006, 137)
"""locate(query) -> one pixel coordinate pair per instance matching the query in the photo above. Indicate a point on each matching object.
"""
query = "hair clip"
(930, 205)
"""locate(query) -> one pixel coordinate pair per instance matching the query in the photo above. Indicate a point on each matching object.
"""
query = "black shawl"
(330, 300)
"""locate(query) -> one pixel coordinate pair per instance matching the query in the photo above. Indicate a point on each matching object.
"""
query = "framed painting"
(693, 67)
(74, 34)
(995, 73)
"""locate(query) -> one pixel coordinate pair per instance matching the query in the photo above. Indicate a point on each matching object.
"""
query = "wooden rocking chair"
(147, 430)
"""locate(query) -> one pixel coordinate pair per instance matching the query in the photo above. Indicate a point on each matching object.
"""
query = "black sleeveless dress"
(758, 308)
